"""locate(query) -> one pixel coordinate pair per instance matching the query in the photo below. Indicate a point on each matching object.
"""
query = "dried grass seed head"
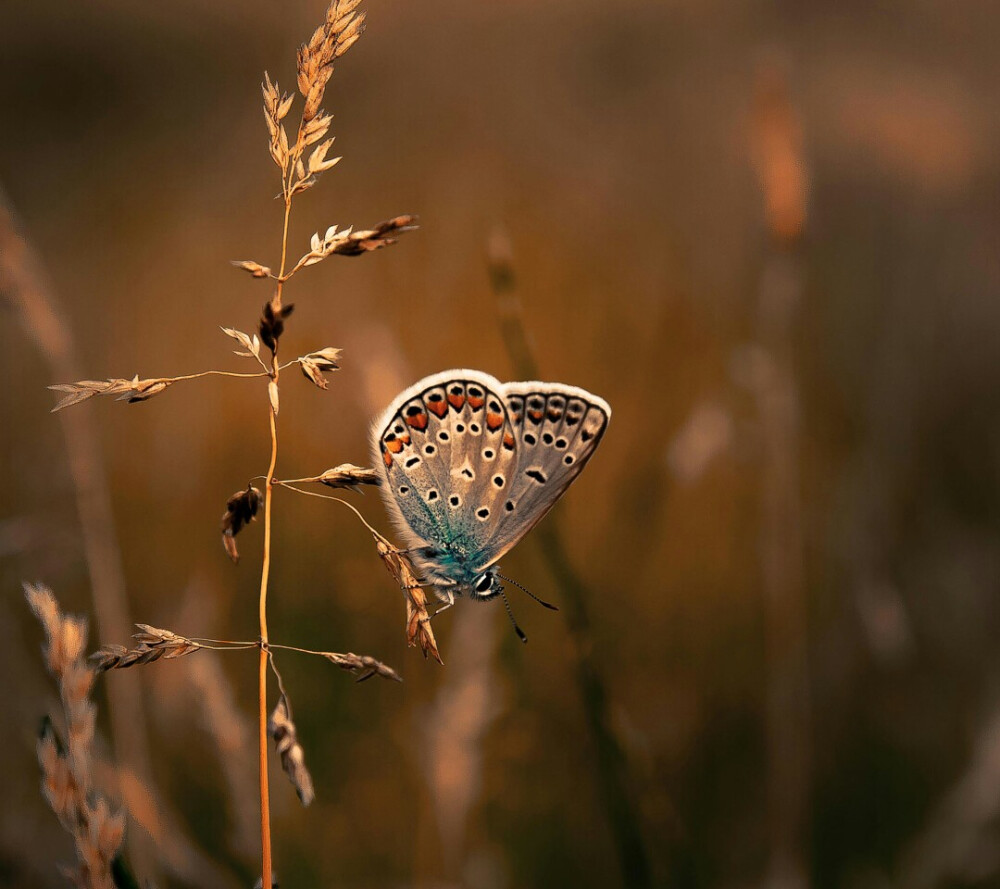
(272, 323)
(418, 619)
(347, 475)
(241, 509)
(315, 364)
(286, 742)
(152, 643)
(127, 390)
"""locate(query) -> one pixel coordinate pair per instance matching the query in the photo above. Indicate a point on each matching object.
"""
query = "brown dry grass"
(67, 760)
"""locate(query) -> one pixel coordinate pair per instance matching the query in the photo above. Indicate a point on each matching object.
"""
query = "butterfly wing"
(556, 430)
(442, 446)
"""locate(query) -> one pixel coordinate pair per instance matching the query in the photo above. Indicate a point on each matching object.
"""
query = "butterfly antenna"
(526, 590)
(510, 614)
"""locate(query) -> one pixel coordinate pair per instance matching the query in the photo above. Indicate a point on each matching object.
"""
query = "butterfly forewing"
(556, 430)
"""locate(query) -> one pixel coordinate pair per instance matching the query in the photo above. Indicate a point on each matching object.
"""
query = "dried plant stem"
(265, 795)
(221, 373)
(262, 714)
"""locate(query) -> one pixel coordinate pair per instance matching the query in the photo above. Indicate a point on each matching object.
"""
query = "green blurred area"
(614, 143)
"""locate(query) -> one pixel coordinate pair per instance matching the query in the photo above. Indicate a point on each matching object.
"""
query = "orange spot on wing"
(395, 445)
(418, 421)
(508, 441)
(456, 401)
(554, 415)
(476, 403)
(438, 407)
(535, 415)
(387, 457)
(494, 421)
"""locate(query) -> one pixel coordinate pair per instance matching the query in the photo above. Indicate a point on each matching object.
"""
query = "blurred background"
(767, 233)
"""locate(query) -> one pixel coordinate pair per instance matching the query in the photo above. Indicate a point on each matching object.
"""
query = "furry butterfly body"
(469, 465)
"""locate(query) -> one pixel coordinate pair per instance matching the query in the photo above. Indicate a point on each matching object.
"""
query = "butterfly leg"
(449, 603)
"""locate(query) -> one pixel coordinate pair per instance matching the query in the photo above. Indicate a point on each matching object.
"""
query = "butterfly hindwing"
(470, 465)
(441, 473)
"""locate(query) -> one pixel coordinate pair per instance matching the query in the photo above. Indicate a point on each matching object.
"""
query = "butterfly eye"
(484, 583)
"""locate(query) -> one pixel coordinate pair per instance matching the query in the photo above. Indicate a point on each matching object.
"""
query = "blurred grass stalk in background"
(770, 366)
(27, 289)
(614, 783)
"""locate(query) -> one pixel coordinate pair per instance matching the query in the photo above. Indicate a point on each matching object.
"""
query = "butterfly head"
(487, 585)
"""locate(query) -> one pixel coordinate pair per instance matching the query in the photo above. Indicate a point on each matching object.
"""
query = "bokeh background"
(767, 233)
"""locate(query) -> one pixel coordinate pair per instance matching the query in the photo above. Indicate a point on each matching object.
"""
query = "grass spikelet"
(362, 666)
(418, 620)
(241, 509)
(293, 758)
(98, 833)
(152, 644)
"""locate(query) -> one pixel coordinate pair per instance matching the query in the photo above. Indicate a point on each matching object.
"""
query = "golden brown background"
(767, 233)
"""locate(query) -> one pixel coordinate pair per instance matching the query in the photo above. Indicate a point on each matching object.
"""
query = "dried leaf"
(286, 742)
(241, 509)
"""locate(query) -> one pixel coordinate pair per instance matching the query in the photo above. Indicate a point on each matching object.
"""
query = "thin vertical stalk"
(612, 768)
(265, 571)
(781, 170)
(265, 793)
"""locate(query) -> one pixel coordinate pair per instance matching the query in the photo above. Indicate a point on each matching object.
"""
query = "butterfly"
(469, 465)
